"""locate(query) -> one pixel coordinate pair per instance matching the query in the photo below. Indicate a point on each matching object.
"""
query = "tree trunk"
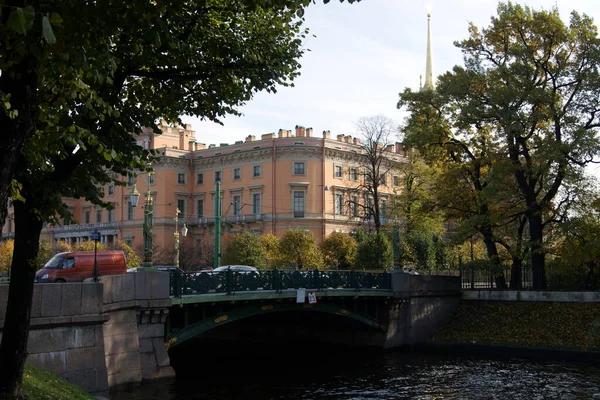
(21, 83)
(492, 252)
(538, 255)
(516, 271)
(13, 350)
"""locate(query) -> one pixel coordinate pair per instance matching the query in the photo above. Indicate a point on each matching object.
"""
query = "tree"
(339, 250)
(245, 248)
(270, 243)
(377, 133)
(79, 78)
(375, 252)
(532, 83)
(299, 248)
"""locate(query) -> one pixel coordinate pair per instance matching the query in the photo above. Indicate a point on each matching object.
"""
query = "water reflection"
(369, 375)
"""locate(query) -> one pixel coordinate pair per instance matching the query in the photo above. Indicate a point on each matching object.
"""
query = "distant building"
(283, 181)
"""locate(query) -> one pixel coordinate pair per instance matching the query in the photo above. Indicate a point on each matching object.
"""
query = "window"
(298, 168)
(130, 180)
(199, 179)
(237, 204)
(86, 217)
(181, 207)
(383, 179)
(354, 206)
(151, 178)
(69, 263)
(396, 180)
(354, 174)
(111, 190)
(200, 208)
(339, 204)
(217, 176)
(130, 211)
(237, 174)
(99, 215)
(111, 213)
(256, 171)
(299, 204)
(9, 227)
(181, 178)
(337, 171)
(256, 203)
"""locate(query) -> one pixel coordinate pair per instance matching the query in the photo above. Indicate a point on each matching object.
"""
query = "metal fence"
(5, 276)
(277, 280)
(477, 278)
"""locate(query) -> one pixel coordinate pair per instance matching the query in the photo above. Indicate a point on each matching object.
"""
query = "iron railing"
(478, 278)
(5, 276)
(277, 280)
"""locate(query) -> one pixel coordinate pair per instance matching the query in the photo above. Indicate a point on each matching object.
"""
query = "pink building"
(281, 181)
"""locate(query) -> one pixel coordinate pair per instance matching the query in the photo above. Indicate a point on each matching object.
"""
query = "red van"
(75, 266)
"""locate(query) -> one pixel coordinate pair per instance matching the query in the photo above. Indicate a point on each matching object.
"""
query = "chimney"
(340, 138)
(280, 133)
(289, 133)
(326, 135)
(299, 131)
(348, 139)
(250, 138)
(389, 148)
(191, 145)
(356, 141)
(267, 136)
(309, 132)
(398, 147)
(188, 127)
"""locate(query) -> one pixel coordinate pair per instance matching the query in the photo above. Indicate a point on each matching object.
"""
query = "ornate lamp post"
(184, 232)
(148, 220)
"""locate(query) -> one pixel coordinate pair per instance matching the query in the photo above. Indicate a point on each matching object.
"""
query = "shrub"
(375, 252)
(246, 249)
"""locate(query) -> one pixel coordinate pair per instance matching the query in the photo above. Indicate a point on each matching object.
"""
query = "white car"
(235, 268)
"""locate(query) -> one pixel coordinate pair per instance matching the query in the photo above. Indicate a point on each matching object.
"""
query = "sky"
(364, 54)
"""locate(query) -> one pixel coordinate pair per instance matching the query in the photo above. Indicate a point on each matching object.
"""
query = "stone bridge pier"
(99, 335)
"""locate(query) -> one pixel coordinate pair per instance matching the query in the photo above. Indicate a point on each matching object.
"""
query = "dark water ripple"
(376, 376)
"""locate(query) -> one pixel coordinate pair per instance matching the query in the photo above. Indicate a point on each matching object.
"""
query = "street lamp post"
(148, 220)
(184, 232)
(95, 237)
(217, 259)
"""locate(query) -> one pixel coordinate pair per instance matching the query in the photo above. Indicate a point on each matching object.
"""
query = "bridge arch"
(248, 311)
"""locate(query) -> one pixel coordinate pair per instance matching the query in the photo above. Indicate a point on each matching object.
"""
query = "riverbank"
(531, 328)
(43, 385)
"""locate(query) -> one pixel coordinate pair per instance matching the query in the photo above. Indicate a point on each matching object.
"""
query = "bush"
(375, 252)
(339, 250)
(245, 249)
(299, 248)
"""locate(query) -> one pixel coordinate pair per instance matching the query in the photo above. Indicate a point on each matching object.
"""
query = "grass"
(573, 326)
(39, 384)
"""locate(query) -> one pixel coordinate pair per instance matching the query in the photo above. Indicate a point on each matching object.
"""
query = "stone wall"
(66, 335)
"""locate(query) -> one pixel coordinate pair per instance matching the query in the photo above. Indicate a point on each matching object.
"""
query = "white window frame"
(254, 174)
(236, 204)
(336, 169)
(256, 210)
(296, 211)
(338, 203)
(200, 178)
(303, 168)
(200, 208)
(181, 175)
(239, 177)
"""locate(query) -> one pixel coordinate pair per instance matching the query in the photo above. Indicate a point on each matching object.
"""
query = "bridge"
(385, 309)
(134, 327)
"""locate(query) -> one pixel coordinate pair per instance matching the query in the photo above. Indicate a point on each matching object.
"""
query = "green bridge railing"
(277, 280)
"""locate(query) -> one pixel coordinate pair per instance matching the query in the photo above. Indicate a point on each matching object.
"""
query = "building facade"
(283, 181)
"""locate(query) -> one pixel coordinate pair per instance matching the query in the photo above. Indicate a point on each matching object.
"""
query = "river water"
(277, 372)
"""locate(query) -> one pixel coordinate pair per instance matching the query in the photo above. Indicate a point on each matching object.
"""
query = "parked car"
(76, 266)
(235, 268)
(163, 268)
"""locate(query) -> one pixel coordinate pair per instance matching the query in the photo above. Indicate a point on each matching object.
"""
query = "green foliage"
(39, 384)
(299, 248)
(244, 248)
(339, 250)
(270, 243)
(375, 252)
(418, 249)
(6, 254)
